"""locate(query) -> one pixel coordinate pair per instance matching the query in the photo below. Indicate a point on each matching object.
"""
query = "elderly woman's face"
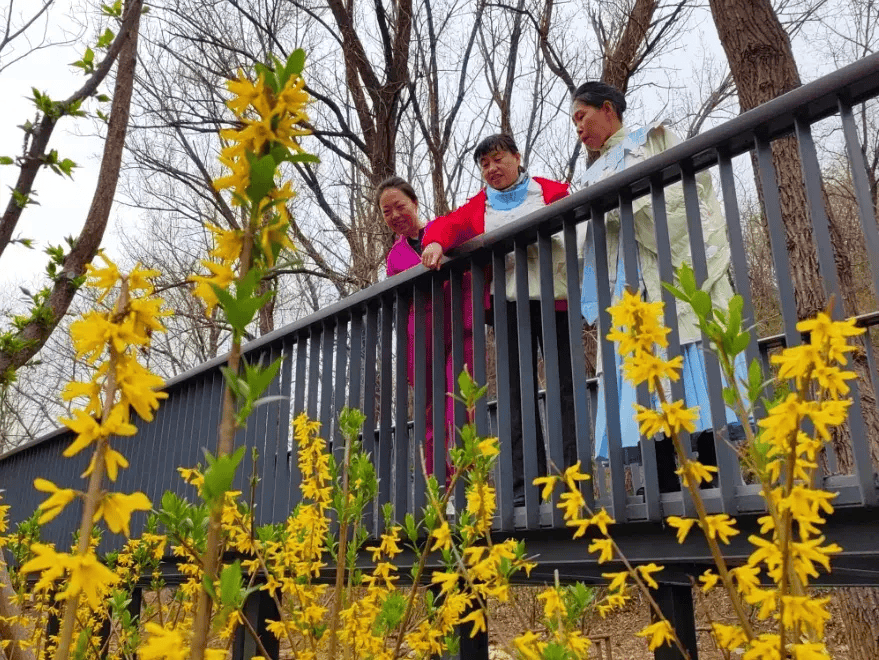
(594, 125)
(400, 212)
(500, 168)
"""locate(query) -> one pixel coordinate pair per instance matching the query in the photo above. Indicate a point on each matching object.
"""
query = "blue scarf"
(510, 198)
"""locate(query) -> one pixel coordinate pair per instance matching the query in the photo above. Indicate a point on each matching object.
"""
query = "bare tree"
(763, 67)
(27, 23)
(27, 338)
(426, 88)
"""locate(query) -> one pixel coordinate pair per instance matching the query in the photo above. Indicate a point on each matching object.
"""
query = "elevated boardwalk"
(348, 355)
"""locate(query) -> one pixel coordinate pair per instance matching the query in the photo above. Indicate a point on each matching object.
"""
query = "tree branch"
(35, 333)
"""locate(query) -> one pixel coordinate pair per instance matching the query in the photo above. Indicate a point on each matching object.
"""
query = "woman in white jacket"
(597, 112)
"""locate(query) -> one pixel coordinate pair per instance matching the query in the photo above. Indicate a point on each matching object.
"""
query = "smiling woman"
(398, 203)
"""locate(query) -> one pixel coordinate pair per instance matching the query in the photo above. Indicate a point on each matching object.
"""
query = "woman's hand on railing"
(432, 256)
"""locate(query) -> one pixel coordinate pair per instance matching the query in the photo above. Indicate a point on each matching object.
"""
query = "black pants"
(566, 401)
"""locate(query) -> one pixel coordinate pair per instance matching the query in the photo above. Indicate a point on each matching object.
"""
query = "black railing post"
(676, 604)
(259, 609)
(475, 647)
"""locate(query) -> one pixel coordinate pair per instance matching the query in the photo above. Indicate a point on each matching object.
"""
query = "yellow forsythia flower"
(59, 499)
(116, 510)
(659, 633)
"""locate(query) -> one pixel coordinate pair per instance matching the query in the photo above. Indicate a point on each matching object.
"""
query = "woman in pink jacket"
(398, 204)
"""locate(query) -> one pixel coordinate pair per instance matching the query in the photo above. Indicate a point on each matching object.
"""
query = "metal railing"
(353, 352)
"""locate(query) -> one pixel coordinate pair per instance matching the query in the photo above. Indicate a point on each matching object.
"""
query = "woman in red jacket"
(398, 204)
(510, 193)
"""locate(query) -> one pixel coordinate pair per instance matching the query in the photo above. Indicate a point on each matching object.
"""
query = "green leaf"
(295, 63)
(241, 307)
(303, 158)
(755, 379)
(220, 474)
(351, 420)
(735, 315)
(687, 279)
(230, 585)
(262, 178)
(66, 166)
(677, 293)
(114, 10)
(208, 583)
(6, 160)
(106, 39)
(740, 343)
(411, 529)
(268, 76)
(729, 396)
(701, 303)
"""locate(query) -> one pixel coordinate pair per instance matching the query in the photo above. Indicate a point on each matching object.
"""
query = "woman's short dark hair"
(398, 183)
(596, 93)
(497, 142)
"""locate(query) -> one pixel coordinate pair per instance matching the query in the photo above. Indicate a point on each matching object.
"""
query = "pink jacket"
(402, 257)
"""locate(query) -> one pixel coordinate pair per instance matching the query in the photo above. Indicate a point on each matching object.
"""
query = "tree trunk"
(763, 67)
(859, 607)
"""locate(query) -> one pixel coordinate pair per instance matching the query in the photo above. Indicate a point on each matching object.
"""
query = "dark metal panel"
(253, 436)
(139, 454)
(871, 363)
(863, 467)
(582, 425)
(314, 371)
(862, 187)
(167, 463)
(728, 466)
(205, 432)
(193, 452)
(417, 444)
(326, 383)
(666, 274)
(676, 604)
(356, 357)
(174, 409)
(477, 299)
(739, 260)
(280, 503)
(456, 286)
(299, 381)
(386, 377)
(777, 240)
(275, 453)
(505, 405)
(369, 408)
(478, 291)
(340, 382)
(820, 230)
(527, 386)
(437, 387)
(401, 474)
(631, 257)
(298, 409)
(551, 368)
(611, 391)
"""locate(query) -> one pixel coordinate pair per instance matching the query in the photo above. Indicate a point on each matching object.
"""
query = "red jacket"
(468, 221)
